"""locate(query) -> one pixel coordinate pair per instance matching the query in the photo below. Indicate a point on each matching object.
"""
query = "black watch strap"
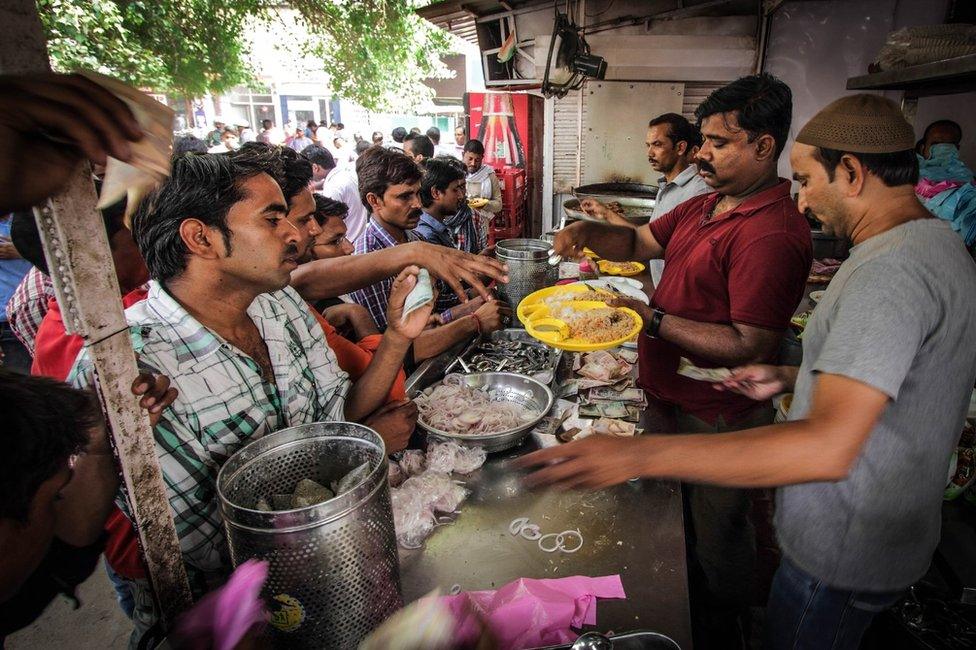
(654, 326)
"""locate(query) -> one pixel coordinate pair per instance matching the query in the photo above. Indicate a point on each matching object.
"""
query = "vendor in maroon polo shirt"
(736, 266)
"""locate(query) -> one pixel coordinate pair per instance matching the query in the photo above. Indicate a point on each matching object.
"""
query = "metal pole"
(80, 262)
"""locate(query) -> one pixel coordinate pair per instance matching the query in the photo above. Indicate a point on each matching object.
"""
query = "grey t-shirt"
(900, 316)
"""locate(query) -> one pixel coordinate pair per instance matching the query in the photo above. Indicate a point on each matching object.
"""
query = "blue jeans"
(123, 592)
(805, 614)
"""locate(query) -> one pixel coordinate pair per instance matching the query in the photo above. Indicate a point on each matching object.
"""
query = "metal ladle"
(592, 641)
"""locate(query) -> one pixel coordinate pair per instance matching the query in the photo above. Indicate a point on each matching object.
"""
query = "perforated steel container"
(528, 268)
(334, 572)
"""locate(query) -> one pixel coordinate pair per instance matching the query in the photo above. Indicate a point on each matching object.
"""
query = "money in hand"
(421, 294)
(687, 369)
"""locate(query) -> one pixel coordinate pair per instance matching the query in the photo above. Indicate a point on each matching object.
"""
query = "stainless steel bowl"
(505, 386)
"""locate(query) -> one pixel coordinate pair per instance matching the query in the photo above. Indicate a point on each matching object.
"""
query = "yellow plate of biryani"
(574, 317)
(625, 269)
(477, 202)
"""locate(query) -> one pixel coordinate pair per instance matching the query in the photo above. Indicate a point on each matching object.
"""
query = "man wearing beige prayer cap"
(878, 402)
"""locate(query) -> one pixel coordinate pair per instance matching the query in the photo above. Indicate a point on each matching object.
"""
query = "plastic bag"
(413, 462)
(447, 457)
(413, 518)
(437, 491)
(395, 474)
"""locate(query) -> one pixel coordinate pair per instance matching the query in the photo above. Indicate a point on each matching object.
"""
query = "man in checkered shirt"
(243, 349)
(389, 186)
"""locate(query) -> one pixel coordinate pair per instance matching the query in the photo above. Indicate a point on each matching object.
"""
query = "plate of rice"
(576, 318)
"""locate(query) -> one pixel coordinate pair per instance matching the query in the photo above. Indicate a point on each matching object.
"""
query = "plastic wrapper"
(413, 462)
(438, 491)
(412, 516)
(395, 474)
(447, 457)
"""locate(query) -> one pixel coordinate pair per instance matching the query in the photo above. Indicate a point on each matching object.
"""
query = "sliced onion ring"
(516, 525)
(570, 533)
(554, 548)
(530, 532)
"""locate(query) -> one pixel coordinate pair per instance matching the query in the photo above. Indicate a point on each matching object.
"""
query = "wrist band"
(478, 323)
(655, 325)
(446, 316)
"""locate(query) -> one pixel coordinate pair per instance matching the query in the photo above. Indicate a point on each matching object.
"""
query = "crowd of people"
(265, 286)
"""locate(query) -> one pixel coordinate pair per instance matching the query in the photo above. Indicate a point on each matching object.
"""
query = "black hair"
(269, 123)
(199, 187)
(291, 170)
(319, 156)
(415, 130)
(419, 144)
(399, 134)
(438, 174)
(945, 124)
(894, 169)
(45, 422)
(434, 134)
(379, 168)
(188, 144)
(27, 240)
(475, 147)
(377, 137)
(326, 207)
(362, 146)
(679, 129)
(340, 125)
(762, 104)
(312, 125)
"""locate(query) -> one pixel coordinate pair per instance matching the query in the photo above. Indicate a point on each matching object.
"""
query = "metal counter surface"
(635, 529)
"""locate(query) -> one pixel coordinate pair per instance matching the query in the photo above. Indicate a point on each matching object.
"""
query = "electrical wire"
(600, 13)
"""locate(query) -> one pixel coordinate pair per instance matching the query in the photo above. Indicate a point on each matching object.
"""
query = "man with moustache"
(389, 184)
(672, 142)
(737, 261)
(878, 402)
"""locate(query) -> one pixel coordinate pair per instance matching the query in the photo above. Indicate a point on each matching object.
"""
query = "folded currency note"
(687, 369)
(421, 294)
(150, 162)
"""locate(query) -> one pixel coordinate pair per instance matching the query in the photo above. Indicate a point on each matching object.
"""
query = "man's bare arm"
(821, 447)
(726, 345)
(333, 277)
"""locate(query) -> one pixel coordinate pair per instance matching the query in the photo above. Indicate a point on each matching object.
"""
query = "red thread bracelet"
(478, 323)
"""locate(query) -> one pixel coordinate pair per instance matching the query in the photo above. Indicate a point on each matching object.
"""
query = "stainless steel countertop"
(635, 529)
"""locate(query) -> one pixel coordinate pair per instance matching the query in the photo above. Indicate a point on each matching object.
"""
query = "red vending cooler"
(505, 122)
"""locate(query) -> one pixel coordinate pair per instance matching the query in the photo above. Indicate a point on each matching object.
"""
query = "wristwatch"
(654, 324)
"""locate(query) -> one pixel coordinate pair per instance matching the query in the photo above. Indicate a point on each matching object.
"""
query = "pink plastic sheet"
(222, 618)
(529, 613)
(927, 188)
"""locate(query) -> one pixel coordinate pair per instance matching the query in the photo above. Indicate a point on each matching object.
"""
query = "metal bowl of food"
(467, 409)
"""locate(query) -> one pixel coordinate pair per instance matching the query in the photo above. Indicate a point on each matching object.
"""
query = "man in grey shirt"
(879, 401)
(672, 142)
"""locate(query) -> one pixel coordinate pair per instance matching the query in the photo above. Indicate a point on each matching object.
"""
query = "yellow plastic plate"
(477, 202)
(540, 324)
(614, 268)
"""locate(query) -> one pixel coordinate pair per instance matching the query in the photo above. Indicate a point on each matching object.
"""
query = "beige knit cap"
(859, 124)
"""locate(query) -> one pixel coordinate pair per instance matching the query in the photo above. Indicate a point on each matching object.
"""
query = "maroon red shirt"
(748, 266)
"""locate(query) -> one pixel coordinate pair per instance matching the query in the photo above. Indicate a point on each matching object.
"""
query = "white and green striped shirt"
(223, 401)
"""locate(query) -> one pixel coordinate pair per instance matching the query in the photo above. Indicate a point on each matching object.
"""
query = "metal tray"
(636, 640)
(637, 200)
(545, 375)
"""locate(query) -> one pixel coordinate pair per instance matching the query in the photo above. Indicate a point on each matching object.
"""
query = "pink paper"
(223, 617)
(529, 612)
